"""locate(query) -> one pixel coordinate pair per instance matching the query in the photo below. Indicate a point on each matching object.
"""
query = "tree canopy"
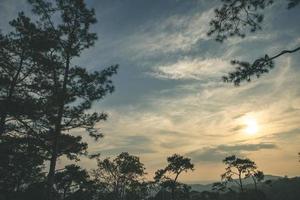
(238, 18)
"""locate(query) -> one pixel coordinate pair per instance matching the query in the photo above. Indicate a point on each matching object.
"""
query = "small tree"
(120, 174)
(238, 168)
(168, 177)
(70, 180)
(257, 176)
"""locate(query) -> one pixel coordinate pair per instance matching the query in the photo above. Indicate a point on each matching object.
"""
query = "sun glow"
(251, 126)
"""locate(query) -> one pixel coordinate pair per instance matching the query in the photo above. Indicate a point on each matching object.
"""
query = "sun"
(251, 126)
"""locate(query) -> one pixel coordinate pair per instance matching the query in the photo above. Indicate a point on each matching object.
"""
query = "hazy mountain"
(247, 181)
(279, 188)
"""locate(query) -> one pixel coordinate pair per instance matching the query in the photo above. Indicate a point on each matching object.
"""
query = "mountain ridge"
(200, 187)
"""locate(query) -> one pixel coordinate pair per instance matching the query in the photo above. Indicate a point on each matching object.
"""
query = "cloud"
(118, 150)
(172, 34)
(181, 104)
(237, 128)
(192, 69)
(285, 136)
(136, 144)
(247, 147)
(218, 153)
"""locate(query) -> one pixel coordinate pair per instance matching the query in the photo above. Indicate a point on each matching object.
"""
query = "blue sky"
(169, 95)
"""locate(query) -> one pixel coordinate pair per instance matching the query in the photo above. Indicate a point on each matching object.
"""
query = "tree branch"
(245, 70)
(284, 52)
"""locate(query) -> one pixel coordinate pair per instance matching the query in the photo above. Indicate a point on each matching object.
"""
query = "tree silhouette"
(71, 179)
(239, 168)
(21, 153)
(122, 175)
(21, 164)
(257, 176)
(138, 190)
(19, 61)
(236, 18)
(168, 177)
(69, 90)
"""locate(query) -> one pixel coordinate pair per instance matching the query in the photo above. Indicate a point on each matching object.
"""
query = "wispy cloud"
(192, 69)
(174, 33)
(134, 144)
(218, 153)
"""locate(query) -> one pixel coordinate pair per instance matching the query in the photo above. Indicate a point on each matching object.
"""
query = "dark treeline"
(44, 96)
(123, 178)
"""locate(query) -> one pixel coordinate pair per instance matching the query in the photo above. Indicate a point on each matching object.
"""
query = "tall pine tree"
(69, 90)
(21, 155)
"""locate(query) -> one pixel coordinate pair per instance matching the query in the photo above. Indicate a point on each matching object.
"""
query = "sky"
(170, 97)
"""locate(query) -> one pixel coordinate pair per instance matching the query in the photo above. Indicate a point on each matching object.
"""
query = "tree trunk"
(172, 192)
(57, 132)
(174, 186)
(255, 184)
(241, 183)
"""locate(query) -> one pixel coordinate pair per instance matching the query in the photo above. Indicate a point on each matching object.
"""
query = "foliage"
(123, 176)
(168, 176)
(43, 94)
(70, 180)
(68, 90)
(21, 164)
(236, 18)
(19, 55)
(21, 154)
(239, 167)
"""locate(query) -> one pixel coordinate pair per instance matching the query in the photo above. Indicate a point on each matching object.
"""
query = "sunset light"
(149, 100)
(251, 126)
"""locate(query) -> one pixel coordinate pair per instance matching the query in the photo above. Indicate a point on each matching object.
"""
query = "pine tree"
(69, 90)
(21, 155)
(19, 61)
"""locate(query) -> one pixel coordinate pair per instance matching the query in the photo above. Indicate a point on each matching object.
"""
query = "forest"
(47, 111)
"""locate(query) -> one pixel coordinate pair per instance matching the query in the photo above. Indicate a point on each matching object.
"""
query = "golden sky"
(169, 94)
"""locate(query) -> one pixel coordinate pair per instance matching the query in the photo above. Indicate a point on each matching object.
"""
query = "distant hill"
(201, 187)
(279, 188)
(248, 181)
(283, 189)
